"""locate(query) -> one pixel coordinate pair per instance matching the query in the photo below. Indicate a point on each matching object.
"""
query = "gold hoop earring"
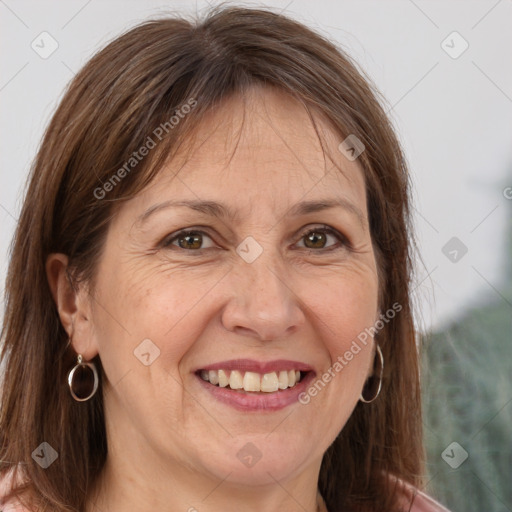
(83, 380)
(375, 385)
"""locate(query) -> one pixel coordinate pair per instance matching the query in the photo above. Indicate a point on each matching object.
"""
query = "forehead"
(260, 147)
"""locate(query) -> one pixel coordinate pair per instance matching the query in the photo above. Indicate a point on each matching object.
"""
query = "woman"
(208, 297)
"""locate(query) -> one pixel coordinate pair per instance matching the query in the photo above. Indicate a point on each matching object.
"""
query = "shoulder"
(11, 505)
(418, 501)
(424, 503)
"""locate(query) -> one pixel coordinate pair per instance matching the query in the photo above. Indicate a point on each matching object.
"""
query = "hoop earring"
(79, 380)
(379, 385)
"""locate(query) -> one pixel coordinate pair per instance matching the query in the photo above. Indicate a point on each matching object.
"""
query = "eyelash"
(343, 240)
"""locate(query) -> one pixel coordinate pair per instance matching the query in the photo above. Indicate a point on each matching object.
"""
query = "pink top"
(422, 502)
(5, 486)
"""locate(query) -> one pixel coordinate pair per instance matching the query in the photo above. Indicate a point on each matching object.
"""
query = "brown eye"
(190, 240)
(315, 240)
(318, 238)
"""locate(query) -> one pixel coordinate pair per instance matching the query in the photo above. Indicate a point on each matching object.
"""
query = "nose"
(263, 304)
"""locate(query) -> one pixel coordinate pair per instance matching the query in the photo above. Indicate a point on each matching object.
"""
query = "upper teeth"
(252, 381)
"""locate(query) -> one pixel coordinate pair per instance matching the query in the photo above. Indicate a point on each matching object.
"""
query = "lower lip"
(252, 401)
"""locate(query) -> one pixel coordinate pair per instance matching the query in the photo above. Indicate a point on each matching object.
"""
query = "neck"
(118, 489)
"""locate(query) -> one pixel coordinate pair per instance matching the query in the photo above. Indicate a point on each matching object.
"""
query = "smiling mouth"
(245, 381)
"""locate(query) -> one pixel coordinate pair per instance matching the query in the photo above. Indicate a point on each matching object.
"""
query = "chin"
(258, 460)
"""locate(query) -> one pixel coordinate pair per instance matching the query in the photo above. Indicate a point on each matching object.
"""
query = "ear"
(73, 304)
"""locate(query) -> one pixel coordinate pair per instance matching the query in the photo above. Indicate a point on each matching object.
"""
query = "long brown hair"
(127, 90)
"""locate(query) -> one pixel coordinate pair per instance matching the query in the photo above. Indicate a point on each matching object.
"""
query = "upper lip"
(251, 365)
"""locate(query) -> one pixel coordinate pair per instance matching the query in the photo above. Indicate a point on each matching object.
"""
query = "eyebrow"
(222, 211)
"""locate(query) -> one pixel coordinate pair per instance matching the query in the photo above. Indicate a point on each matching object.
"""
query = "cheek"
(345, 310)
(347, 304)
(160, 307)
(159, 315)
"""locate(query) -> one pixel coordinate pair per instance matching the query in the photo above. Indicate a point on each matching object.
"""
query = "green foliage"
(467, 397)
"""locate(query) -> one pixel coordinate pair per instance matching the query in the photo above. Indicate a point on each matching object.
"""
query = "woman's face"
(248, 293)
